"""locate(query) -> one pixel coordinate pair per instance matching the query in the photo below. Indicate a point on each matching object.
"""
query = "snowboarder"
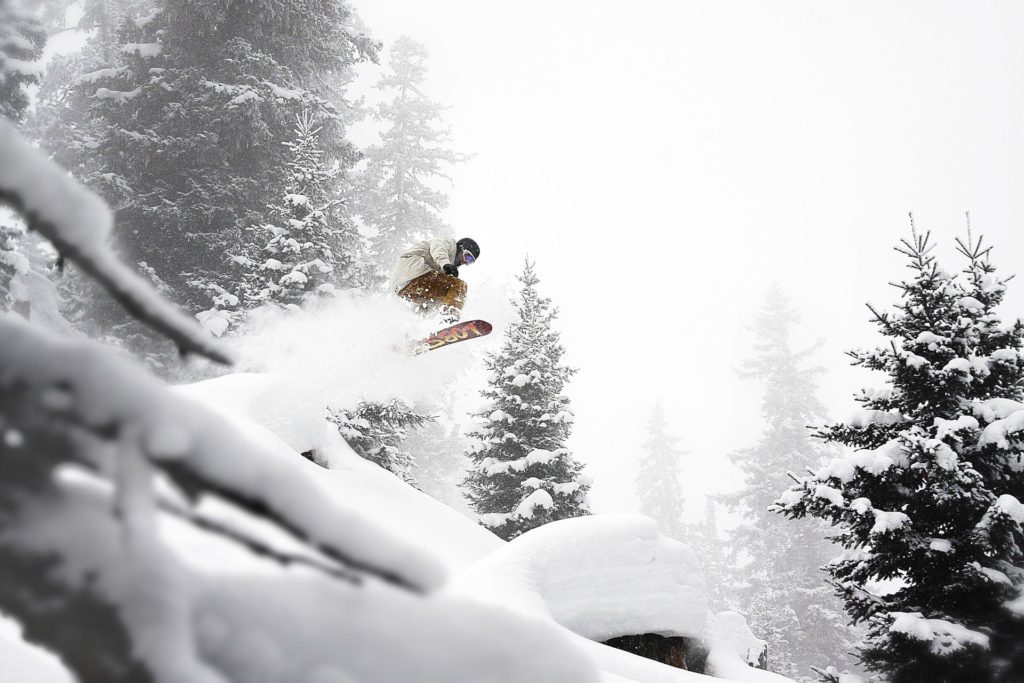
(428, 275)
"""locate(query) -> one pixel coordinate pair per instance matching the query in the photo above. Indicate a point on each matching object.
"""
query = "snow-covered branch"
(78, 223)
(71, 381)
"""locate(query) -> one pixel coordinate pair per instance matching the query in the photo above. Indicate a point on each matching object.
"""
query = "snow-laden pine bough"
(78, 224)
(101, 463)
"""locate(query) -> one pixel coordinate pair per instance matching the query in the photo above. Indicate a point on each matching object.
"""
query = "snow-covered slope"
(270, 405)
(595, 577)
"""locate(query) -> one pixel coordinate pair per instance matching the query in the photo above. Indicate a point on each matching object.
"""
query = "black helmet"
(466, 244)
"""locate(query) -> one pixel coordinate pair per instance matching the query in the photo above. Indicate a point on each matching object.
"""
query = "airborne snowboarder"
(428, 275)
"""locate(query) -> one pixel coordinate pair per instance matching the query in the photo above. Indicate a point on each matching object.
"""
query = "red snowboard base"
(453, 334)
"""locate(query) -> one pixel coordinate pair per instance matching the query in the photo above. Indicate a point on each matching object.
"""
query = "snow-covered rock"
(727, 632)
(734, 651)
(600, 576)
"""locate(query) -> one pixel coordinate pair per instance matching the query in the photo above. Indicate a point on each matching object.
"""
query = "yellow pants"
(436, 290)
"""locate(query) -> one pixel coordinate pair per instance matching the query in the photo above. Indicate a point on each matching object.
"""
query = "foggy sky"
(663, 162)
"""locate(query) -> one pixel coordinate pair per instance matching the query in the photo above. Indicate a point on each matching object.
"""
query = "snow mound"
(600, 576)
(291, 410)
(734, 650)
(728, 632)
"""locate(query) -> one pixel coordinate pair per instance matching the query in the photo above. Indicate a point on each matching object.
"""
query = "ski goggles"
(468, 258)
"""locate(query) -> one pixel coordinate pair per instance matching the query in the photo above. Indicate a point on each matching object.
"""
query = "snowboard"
(453, 334)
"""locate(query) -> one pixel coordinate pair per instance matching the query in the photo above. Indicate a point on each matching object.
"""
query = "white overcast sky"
(664, 161)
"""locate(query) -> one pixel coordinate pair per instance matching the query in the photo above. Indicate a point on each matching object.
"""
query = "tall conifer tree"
(22, 38)
(783, 591)
(522, 475)
(398, 197)
(657, 484)
(930, 500)
(185, 120)
(705, 538)
(308, 248)
(21, 45)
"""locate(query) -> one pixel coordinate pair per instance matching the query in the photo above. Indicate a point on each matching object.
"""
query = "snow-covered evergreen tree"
(658, 490)
(377, 432)
(522, 475)
(308, 248)
(10, 261)
(783, 591)
(929, 501)
(183, 124)
(706, 539)
(397, 197)
(22, 38)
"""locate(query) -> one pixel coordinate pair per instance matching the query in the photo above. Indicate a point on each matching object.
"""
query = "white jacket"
(421, 259)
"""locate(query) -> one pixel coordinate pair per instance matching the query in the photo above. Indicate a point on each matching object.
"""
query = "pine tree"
(377, 432)
(22, 38)
(705, 539)
(397, 199)
(930, 499)
(783, 592)
(522, 475)
(185, 120)
(657, 484)
(309, 248)
(11, 262)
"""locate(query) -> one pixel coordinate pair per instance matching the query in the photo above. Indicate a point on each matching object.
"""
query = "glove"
(451, 269)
